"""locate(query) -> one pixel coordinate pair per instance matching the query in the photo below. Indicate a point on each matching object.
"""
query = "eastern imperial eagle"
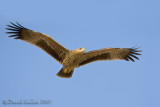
(70, 59)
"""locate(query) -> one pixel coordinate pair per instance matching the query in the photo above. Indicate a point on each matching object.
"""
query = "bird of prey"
(70, 59)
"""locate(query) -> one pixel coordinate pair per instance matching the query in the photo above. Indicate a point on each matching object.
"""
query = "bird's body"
(70, 59)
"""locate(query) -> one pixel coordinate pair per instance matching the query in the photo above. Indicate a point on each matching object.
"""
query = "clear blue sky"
(28, 73)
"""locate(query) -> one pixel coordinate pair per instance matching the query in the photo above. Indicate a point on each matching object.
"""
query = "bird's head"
(79, 50)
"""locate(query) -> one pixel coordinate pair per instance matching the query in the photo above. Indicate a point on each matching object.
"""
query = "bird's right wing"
(40, 40)
(109, 54)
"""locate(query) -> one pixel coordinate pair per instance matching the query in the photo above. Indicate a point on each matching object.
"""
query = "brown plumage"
(110, 54)
(70, 59)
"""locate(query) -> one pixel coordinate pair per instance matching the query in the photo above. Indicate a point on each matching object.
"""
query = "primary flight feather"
(70, 59)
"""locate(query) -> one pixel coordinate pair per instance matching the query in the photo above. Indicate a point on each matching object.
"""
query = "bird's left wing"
(40, 40)
(109, 54)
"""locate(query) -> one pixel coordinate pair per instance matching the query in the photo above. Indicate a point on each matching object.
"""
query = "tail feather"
(62, 74)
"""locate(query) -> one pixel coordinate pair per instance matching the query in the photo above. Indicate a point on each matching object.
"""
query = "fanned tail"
(62, 74)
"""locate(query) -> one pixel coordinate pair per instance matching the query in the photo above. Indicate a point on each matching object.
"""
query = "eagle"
(70, 59)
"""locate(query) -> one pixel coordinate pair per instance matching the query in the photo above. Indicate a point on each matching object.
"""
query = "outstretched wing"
(109, 54)
(40, 40)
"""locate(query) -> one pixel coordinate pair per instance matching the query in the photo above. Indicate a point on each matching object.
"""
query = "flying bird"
(70, 59)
